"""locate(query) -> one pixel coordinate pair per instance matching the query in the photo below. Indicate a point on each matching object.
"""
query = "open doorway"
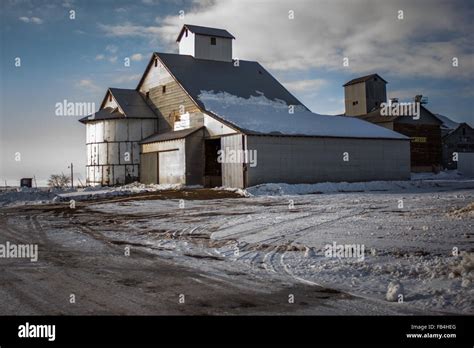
(212, 168)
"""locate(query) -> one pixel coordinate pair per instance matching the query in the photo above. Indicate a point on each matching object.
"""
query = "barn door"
(149, 168)
(171, 168)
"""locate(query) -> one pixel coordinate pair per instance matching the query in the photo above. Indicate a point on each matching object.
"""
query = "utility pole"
(72, 175)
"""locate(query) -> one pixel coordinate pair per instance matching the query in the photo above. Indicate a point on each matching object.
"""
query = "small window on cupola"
(186, 32)
(110, 97)
(213, 41)
(163, 89)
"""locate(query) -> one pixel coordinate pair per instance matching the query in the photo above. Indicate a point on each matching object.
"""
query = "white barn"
(201, 118)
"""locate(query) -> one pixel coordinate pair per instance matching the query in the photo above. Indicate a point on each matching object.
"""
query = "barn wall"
(203, 49)
(310, 160)
(111, 103)
(170, 105)
(186, 44)
(466, 163)
(113, 151)
(376, 93)
(215, 127)
(459, 140)
(354, 93)
(232, 173)
(426, 148)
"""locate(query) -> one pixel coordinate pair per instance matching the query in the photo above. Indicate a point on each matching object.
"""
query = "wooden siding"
(425, 147)
(233, 173)
(167, 105)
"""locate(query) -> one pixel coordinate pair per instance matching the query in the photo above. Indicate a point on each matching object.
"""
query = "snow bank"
(394, 291)
(24, 195)
(443, 175)
(419, 181)
(260, 114)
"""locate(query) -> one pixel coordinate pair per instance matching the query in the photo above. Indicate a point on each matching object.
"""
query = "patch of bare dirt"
(467, 211)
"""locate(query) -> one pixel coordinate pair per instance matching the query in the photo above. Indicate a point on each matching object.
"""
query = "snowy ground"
(413, 245)
(418, 233)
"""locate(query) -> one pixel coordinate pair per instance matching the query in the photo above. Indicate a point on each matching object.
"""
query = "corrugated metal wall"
(310, 160)
(113, 150)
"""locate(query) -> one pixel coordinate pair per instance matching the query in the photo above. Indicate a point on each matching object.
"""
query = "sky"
(74, 50)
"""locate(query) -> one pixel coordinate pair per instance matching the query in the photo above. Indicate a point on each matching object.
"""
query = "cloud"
(130, 30)
(34, 20)
(99, 57)
(312, 85)
(68, 3)
(112, 59)
(111, 48)
(137, 57)
(323, 33)
(87, 84)
(128, 78)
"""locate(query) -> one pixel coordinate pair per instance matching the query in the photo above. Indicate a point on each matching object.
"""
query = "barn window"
(110, 97)
(355, 102)
(147, 95)
(156, 63)
(213, 41)
(163, 89)
(186, 32)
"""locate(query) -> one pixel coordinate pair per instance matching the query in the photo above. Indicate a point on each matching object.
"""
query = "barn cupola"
(205, 43)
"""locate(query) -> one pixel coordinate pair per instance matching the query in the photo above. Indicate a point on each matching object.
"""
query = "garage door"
(171, 168)
(149, 168)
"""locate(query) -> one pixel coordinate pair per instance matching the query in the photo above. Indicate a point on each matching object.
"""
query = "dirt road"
(78, 261)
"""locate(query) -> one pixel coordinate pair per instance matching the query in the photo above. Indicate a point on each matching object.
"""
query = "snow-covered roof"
(447, 122)
(196, 75)
(259, 115)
